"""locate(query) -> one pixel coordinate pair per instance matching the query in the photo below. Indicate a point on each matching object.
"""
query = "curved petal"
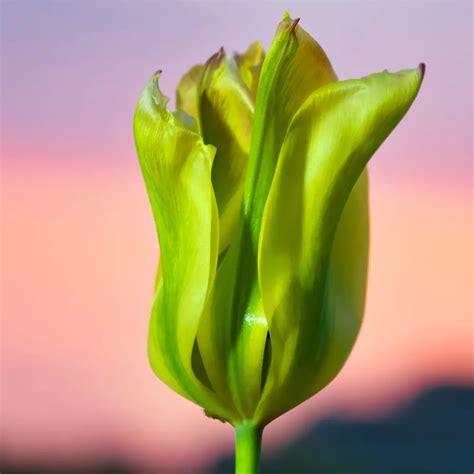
(313, 310)
(225, 117)
(294, 67)
(176, 167)
(346, 283)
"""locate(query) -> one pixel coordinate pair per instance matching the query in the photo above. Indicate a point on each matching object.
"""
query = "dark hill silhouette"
(431, 434)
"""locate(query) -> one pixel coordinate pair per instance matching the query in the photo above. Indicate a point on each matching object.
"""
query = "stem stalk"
(248, 441)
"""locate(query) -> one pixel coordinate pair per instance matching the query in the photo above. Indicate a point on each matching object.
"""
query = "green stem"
(248, 440)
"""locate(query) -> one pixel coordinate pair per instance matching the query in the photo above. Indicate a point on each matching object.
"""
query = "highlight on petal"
(312, 290)
(176, 167)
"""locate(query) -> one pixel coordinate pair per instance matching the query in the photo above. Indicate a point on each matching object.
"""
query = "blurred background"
(79, 249)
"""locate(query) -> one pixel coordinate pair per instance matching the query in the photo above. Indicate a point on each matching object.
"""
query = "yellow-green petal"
(294, 67)
(176, 167)
(225, 118)
(312, 289)
(250, 65)
(186, 92)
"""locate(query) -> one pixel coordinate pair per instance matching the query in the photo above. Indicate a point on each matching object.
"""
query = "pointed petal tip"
(216, 59)
(294, 24)
(422, 68)
(288, 24)
(156, 77)
(159, 98)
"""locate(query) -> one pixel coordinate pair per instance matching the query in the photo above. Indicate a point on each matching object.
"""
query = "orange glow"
(80, 255)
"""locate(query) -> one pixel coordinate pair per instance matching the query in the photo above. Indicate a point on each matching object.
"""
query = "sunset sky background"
(79, 249)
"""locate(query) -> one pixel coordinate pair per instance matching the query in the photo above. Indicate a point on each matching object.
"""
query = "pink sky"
(79, 250)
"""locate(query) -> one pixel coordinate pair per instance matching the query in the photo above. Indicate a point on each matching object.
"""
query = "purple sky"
(72, 71)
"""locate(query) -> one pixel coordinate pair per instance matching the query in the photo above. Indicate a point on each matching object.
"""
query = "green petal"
(250, 65)
(235, 328)
(294, 67)
(186, 92)
(226, 113)
(313, 299)
(347, 281)
(176, 167)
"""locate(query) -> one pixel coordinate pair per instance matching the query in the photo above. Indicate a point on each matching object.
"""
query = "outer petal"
(313, 309)
(294, 67)
(226, 114)
(176, 167)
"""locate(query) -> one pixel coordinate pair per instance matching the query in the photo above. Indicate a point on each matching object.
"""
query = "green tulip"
(258, 187)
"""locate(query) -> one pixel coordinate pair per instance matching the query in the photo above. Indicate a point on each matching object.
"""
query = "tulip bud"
(258, 188)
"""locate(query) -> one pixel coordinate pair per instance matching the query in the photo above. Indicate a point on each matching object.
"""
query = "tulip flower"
(258, 188)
